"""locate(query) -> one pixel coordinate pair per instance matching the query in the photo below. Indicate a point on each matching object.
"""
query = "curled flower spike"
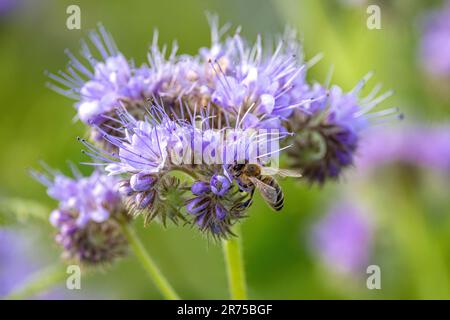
(217, 205)
(163, 198)
(88, 217)
(328, 130)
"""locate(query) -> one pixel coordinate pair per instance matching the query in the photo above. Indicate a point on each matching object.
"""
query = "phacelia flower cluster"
(223, 117)
(88, 216)
(328, 129)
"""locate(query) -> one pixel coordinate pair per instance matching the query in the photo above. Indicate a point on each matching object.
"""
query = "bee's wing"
(289, 173)
(269, 193)
(269, 171)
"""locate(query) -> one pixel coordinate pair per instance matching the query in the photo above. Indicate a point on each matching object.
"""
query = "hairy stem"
(39, 282)
(232, 249)
(148, 264)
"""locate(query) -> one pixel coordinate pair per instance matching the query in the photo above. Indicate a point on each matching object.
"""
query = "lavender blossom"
(88, 216)
(435, 46)
(343, 239)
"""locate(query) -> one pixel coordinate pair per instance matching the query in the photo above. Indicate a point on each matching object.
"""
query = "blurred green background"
(412, 244)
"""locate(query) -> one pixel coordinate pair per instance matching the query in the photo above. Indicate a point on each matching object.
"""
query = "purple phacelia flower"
(220, 184)
(88, 216)
(101, 87)
(92, 244)
(343, 239)
(200, 187)
(97, 85)
(435, 46)
(328, 129)
(173, 114)
(217, 205)
(252, 85)
(142, 181)
(101, 94)
(144, 150)
(91, 197)
(151, 149)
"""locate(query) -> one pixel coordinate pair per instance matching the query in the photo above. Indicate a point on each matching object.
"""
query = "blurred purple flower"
(414, 144)
(20, 259)
(93, 198)
(15, 265)
(343, 239)
(88, 216)
(435, 46)
(7, 5)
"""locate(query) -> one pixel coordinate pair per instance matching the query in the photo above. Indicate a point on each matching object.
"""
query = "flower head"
(98, 84)
(91, 244)
(94, 198)
(252, 85)
(88, 216)
(328, 129)
(232, 103)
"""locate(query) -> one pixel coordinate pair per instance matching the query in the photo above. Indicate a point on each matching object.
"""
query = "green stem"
(39, 282)
(148, 264)
(232, 249)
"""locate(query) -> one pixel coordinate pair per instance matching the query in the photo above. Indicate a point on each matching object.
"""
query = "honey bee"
(250, 176)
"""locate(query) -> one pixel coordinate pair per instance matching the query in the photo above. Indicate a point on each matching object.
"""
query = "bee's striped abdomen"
(279, 203)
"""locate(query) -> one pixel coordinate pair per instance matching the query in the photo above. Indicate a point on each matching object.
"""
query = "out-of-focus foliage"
(17, 210)
(409, 206)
